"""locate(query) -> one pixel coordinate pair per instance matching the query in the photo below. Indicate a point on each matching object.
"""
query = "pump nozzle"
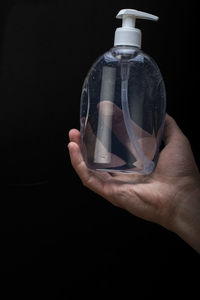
(128, 35)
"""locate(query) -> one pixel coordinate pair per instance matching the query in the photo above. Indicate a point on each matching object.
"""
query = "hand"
(170, 196)
(111, 118)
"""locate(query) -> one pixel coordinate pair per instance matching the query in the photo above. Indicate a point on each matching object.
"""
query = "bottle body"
(122, 112)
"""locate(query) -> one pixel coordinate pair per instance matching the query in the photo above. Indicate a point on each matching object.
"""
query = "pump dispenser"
(123, 104)
(128, 35)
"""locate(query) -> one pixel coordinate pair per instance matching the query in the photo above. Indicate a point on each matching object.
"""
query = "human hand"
(170, 196)
(111, 119)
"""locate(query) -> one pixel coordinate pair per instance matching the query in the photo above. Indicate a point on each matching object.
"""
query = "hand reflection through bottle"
(99, 149)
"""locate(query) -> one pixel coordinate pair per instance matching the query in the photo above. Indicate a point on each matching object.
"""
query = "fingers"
(101, 183)
(118, 126)
(77, 161)
(74, 136)
(171, 130)
(76, 155)
(89, 178)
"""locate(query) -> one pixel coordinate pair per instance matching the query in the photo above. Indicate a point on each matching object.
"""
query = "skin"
(170, 196)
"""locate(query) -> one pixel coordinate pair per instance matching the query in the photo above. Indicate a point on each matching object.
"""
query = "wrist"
(187, 221)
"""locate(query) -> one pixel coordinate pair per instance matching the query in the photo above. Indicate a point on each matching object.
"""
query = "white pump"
(128, 35)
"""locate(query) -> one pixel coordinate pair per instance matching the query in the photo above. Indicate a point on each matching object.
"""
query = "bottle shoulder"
(141, 65)
(115, 56)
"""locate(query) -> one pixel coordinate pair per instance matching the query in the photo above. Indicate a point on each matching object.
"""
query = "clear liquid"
(122, 112)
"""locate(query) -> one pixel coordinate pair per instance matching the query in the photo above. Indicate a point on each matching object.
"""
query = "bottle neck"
(128, 37)
(125, 52)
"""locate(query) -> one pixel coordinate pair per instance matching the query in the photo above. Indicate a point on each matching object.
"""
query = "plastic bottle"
(123, 104)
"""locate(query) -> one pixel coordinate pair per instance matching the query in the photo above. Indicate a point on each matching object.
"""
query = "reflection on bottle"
(140, 155)
(102, 153)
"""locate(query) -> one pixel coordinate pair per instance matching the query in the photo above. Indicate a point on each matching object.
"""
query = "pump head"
(128, 35)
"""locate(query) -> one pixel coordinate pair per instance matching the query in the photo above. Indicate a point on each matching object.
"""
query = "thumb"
(171, 130)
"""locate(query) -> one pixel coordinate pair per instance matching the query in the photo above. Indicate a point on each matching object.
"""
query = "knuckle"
(84, 182)
(87, 181)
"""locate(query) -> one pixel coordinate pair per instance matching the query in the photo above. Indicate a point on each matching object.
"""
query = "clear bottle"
(123, 105)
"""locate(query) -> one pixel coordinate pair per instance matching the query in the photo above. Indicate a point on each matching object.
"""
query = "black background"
(57, 236)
